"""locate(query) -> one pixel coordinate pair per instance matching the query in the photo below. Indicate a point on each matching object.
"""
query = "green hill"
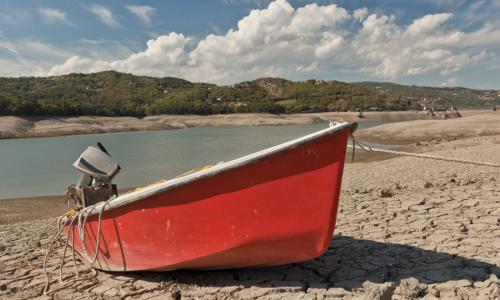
(439, 97)
(117, 94)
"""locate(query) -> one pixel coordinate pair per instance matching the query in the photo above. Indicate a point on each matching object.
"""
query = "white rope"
(54, 238)
(364, 146)
(82, 220)
(81, 217)
(70, 233)
(97, 248)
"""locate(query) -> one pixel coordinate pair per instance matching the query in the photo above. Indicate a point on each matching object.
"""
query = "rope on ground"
(53, 239)
(68, 219)
(365, 147)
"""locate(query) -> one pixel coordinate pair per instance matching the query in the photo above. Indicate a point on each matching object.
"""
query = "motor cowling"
(97, 172)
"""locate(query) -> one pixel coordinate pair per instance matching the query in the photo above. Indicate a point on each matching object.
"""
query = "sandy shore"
(472, 125)
(407, 228)
(15, 127)
(23, 209)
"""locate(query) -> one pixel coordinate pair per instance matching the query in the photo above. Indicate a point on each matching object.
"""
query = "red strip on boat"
(275, 206)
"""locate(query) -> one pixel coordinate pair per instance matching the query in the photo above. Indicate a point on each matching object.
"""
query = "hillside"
(433, 96)
(117, 94)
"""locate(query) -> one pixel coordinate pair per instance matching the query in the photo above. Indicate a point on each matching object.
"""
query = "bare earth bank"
(473, 125)
(16, 127)
(407, 229)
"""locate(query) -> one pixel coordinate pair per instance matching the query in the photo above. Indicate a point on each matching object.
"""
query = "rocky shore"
(407, 229)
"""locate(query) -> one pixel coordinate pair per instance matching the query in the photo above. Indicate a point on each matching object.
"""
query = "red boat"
(272, 207)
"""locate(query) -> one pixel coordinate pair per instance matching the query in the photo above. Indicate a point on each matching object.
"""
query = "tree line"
(117, 94)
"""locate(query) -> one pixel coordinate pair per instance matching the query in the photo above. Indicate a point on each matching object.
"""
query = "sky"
(425, 42)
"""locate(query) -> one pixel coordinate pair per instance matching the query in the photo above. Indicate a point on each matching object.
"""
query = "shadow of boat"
(347, 264)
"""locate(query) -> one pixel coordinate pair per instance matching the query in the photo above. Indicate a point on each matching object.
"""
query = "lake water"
(43, 166)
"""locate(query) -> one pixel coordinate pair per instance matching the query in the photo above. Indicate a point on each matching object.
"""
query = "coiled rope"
(70, 219)
(356, 144)
(80, 215)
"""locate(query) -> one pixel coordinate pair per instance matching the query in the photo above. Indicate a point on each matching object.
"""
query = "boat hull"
(276, 210)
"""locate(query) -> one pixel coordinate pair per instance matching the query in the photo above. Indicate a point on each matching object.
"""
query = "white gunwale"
(155, 189)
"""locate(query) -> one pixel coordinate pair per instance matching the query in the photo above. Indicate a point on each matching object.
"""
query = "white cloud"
(360, 13)
(330, 43)
(452, 82)
(143, 12)
(281, 40)
(72, 64)
(53, 15)
(384, 49)
(489, 35)
(164, 55)
(103, 49)
(29, 57)
(7, 45)
(274, 41)
(104, 14)
(428, 23)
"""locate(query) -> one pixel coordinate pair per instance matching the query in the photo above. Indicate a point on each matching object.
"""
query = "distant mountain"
(112, 93)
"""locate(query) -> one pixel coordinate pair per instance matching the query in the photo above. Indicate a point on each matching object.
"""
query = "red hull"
(276, 210)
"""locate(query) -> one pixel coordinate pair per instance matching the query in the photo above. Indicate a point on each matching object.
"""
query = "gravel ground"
(407, 229)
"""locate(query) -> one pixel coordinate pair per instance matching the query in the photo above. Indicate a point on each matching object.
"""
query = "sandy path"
(435, 234)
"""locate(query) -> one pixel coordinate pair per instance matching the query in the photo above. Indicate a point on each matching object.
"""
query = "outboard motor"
(98, 169)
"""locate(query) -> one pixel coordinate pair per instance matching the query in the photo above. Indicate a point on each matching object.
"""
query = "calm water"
(43, 166)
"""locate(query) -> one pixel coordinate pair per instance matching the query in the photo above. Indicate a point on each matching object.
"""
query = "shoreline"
(51, 126)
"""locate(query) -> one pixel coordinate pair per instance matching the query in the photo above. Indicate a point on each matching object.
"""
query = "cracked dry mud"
(436, 235)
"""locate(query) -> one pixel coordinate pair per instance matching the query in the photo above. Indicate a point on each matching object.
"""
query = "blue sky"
(427, 42)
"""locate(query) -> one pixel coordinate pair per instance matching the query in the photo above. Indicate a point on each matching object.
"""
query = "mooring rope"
(365, 147)
(71, 216)
(70, 233)
(53, 239)
(69, 219)
(98, 242)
